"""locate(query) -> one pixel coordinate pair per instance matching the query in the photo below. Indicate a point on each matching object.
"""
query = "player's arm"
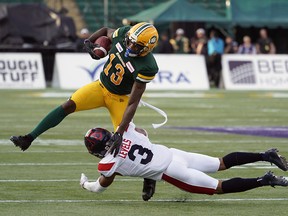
(89, 45)
(135, 97)
(137, 91)
(98, 186)
(105, 31)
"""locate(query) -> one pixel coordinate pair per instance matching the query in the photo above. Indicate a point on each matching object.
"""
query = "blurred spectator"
(199, 42)
(215, 44)
(84, 34)
(180, 43)
(231, 46)
(265, 44)
(247, 47)
(164, 45)
(215, 51)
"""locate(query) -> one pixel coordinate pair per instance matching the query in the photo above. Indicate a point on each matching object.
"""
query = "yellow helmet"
(141, 39)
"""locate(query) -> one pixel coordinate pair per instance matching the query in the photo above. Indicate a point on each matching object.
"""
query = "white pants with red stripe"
(187, 171)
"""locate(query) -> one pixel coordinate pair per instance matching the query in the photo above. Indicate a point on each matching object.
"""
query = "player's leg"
(116, 104)
(195, 181)
(240, 158)
(87, 97)
(52, 119)
(188, 179)
(203, 163)
(235, 185)
(209, 164)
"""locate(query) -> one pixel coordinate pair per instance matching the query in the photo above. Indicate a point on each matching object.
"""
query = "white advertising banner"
(180, 72)
(21, 71)
(255, 72)
(73, 70)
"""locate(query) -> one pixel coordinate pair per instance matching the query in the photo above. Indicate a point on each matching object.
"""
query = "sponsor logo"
(275, 66)
(18, 71)
(170, 77)
(95, 71)
(242, 72)
(263, 72)
(273, 72)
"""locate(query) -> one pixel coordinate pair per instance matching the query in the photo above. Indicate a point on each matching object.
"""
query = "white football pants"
(187, 171)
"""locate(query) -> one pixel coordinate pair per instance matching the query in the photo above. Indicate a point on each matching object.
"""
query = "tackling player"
(130, 66)
(140, 158)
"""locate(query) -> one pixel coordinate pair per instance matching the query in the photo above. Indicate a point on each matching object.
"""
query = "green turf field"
(44, 180)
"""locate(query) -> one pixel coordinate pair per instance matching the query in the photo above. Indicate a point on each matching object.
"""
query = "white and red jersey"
(137, 157)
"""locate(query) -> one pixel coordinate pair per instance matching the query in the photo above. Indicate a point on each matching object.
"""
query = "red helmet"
(95, 141)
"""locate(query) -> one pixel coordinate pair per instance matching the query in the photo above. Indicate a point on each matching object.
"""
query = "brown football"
(105, 45)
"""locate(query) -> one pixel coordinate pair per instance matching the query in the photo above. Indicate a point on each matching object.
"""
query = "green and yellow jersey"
(121, 72)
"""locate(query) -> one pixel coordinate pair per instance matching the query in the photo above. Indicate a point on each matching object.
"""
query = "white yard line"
(60, 142)
(187, 94)
(37, 180)
(64, 180)
(260, 165)
(147, 94)
(153, 200)
(80, 142)
(131, 179)
(48, 164)
(18, 151)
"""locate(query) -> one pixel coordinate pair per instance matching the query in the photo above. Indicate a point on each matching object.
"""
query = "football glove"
(83, 179)
(114, 143)
(89, 47)
(148, 189)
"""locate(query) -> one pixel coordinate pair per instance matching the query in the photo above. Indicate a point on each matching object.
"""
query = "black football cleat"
(22, 142)
(273, 157)
(148, 189)
(270, 179)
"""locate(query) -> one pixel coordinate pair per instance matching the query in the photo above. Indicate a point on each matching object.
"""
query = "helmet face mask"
(99, 155)
(132, 48)
(95, 141)
(140, 39)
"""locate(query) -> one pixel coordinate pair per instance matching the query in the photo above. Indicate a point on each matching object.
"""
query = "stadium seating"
(92, 11)
(19, 1)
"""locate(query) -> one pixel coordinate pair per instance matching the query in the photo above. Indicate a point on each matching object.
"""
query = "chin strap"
(161, 112)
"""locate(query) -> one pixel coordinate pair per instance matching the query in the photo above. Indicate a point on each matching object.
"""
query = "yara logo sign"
(171, 77)
(95, 72)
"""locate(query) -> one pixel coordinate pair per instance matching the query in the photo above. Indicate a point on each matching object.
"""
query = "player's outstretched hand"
(114, 143)
(89, 47)
(83, 179)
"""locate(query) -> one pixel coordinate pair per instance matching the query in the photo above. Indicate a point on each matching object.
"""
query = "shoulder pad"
(115, 33)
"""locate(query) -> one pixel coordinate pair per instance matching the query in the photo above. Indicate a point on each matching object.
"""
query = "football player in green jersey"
(129, 67)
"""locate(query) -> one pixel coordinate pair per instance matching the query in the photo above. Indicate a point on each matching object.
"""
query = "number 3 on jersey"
(141, 151)
(117, 77)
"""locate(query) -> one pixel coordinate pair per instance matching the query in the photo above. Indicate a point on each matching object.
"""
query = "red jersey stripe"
(187, 187)
(105, 167)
